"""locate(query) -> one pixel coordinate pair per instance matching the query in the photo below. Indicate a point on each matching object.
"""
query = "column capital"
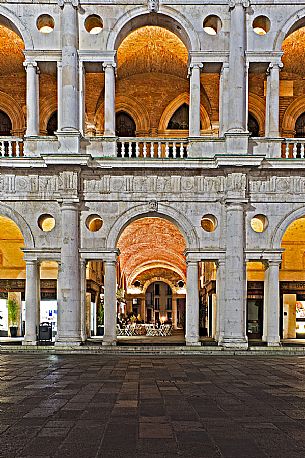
(108, 65)
(274, 66)
(70, 205)
(31, 64)
(233, 3)
(62, 3)
(111, 256)
(193, 66)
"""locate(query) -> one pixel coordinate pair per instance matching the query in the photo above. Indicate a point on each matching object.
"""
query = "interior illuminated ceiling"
(294, 52)
(152, 49)
(152, 247)
(11, 52)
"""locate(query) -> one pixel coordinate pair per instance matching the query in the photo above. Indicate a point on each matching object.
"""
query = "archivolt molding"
(297, 17)
(152, 265)
(166, 17)
(174, 105)
(159, 279)
(10, 20)
(11, 107)
(47, 108)
(131, 106)
(292, 112)
(162, 211)
(282, 227)
(20, 222)
(257, 107)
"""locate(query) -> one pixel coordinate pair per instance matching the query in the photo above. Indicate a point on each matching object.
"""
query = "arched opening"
(5, 124)
(52, 124)
(151, 277)
(12, 271)
(152, 70)
(180, 119)
(125, 125)
(253, 125)
(292, 277)
(300, 126)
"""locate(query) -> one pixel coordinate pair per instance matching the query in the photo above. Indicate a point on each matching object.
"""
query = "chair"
(119, 330)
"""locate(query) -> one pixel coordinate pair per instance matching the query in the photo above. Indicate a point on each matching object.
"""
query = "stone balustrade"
(152, 147)
(294, 148)
(11, 147)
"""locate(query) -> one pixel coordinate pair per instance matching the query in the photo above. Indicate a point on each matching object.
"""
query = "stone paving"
(133, 406)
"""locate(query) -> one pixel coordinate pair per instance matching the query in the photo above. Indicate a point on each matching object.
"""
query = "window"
(253, 126)
(157, 303)
(169, 303)
(52, 124)
(157, 289)
(169, 290)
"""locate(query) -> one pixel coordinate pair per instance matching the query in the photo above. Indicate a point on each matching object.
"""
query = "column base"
(30, 343)
(272, 341)
(68, 142)
(109, 341)
(237, 142)
(68, 342)
(192, 341)
(231, 342)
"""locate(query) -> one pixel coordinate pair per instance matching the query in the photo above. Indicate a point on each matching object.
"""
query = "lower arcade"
(158, 294)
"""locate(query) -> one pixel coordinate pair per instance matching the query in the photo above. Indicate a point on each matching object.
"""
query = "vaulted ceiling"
(152, 244)
(11, 52)
(294, 52)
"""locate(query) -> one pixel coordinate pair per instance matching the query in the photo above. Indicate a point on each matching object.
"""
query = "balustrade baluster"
(166, 149)
(302, 150)
(287, 150)
(295, 149)
(10, 148)
(137, 149)
(144, 149)
(159, 150)
(17, 149)
(129, 149)
(152, 149)
(174, 150)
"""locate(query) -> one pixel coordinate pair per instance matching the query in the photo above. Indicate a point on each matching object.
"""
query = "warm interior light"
(259, 223)
(46, 29)
(95, 30)
(210, 30)
(46, 223)
(259, 31)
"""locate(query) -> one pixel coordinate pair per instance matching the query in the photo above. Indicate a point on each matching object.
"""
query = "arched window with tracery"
(125, 125)
(300, 126)
(5, 124)
(52, 124)
(180, 119)
(253, 126)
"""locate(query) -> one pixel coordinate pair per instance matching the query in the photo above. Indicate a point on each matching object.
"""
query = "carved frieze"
(66, 183)
(278, 185)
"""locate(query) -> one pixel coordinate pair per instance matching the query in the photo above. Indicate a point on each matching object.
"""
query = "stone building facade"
(182, 117)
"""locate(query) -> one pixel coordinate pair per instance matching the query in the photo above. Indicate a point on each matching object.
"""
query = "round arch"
(47, 108)
(291, 114)
(131, 106)
(166, 17)
(155, 264)
(294, 22)
(11, 107)
(20, 222)
(12, 22)
(256, 106)
(153, 209)
(281, 228)
(159, 279)
(174, 105)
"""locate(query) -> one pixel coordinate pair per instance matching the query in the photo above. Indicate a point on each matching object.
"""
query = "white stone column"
(273, 101)
(32, 302)
(237, 100)
(59, 96)
(220, 299)
(224, 107)
(234, 323)
(83, 287)
(69, 282)
(110, 303)
(82, 92)
(174, 312)
(70, 85)
(192, 302)
(271, 324)
(109, 103)
(194, 107)
(32, 99)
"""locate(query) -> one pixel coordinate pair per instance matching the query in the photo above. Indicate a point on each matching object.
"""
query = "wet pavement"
(133, 406)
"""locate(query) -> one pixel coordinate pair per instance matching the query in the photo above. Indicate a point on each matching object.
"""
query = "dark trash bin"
(45, 331)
